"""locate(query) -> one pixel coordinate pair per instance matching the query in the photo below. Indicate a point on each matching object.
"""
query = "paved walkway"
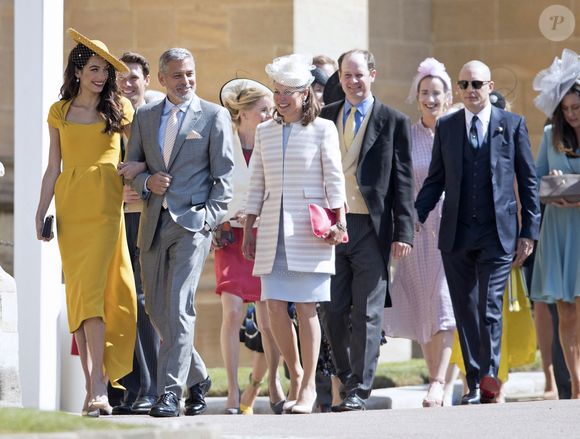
(405, 419)
(540, 419)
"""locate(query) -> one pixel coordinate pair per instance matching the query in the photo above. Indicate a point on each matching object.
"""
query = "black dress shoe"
(352, 403)
(470, 398)
(124, 407)
(142, 405)
(167, 406)
(195, 403)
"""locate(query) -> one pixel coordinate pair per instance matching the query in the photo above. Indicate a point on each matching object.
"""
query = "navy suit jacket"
(511, 160)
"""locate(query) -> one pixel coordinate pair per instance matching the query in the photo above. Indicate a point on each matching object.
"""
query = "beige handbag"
(558, 187)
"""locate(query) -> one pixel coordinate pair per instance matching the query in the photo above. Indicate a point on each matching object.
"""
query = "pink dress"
(419, 292)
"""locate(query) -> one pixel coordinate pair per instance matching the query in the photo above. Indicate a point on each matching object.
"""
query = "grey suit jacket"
(201, 165)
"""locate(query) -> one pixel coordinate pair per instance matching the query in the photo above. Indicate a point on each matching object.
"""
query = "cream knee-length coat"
(311, 172)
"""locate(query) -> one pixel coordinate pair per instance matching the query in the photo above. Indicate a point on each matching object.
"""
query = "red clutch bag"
(321, 219)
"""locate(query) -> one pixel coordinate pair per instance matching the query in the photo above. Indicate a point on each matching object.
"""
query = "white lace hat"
(291, 70)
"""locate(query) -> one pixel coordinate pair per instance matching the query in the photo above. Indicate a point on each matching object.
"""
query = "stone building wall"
(505, 35)
(227, 37)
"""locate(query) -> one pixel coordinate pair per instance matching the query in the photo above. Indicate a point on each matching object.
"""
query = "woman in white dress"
(296, 162)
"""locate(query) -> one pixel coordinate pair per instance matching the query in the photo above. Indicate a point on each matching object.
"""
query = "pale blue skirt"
(293, 286)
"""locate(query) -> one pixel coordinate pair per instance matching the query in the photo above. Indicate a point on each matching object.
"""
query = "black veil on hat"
(333, 90)
(497, 99)
(320, 76)
(98, 48)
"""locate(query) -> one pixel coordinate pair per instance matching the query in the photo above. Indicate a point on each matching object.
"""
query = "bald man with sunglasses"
(478, 153)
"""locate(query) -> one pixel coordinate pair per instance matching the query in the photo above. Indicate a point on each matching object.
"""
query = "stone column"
(38, 42)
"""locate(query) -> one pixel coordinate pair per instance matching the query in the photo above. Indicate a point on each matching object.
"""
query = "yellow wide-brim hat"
(100, 49)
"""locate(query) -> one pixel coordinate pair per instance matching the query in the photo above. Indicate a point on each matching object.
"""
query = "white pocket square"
(193, 135)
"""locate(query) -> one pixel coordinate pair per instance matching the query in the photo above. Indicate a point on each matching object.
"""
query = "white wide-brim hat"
(234, 87)
(292, 70)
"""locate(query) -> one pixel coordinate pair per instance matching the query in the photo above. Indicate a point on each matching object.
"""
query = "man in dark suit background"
(141, 384)
(478, 152)
(376, 159)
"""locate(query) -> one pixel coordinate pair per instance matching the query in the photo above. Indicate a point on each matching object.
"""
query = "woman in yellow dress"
(85, 128)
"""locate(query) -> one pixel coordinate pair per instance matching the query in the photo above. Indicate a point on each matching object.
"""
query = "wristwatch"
(341, 226)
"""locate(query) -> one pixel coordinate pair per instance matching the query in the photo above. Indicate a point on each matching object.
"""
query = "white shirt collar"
(484, 115)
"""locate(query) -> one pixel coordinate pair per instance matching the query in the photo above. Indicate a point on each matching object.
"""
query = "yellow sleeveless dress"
(91, 235)
(518, 339)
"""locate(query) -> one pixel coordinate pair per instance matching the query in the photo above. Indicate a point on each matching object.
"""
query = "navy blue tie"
(473, 140)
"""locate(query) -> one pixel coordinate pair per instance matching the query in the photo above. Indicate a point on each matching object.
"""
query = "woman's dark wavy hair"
(109, 106)
(563, 135)
(310, 109)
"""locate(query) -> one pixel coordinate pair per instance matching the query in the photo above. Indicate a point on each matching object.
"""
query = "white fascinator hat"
(429, 67)
(291, 70)
(554, 82)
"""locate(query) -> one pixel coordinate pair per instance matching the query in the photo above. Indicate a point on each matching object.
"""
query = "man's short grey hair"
(175, 53)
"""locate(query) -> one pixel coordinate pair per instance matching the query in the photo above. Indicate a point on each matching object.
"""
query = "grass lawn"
(17, 420)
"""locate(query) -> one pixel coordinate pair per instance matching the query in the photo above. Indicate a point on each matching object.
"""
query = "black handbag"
(249, 333)
(47, 227)
(560, 187)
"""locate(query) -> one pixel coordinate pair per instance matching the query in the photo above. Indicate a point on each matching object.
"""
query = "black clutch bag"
(558, 187)
(47, 227)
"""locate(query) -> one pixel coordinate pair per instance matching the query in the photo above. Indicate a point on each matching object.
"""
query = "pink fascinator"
(554, 82)
(428, 67)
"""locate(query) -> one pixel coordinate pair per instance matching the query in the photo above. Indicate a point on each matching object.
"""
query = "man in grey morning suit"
(186, 143)
(376, 160)
(478, 152)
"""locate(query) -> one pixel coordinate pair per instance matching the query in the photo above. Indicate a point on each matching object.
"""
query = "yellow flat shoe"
(246, 410)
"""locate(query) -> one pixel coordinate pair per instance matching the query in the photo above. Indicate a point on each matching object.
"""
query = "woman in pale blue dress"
(556, 277)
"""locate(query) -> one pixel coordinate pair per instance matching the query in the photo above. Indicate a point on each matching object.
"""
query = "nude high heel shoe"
(100, 405)
(306, 407)
(435, 394)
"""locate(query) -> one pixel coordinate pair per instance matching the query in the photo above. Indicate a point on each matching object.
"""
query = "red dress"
(233, 272)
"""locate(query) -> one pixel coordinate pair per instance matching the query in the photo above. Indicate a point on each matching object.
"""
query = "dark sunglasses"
(476, 85)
